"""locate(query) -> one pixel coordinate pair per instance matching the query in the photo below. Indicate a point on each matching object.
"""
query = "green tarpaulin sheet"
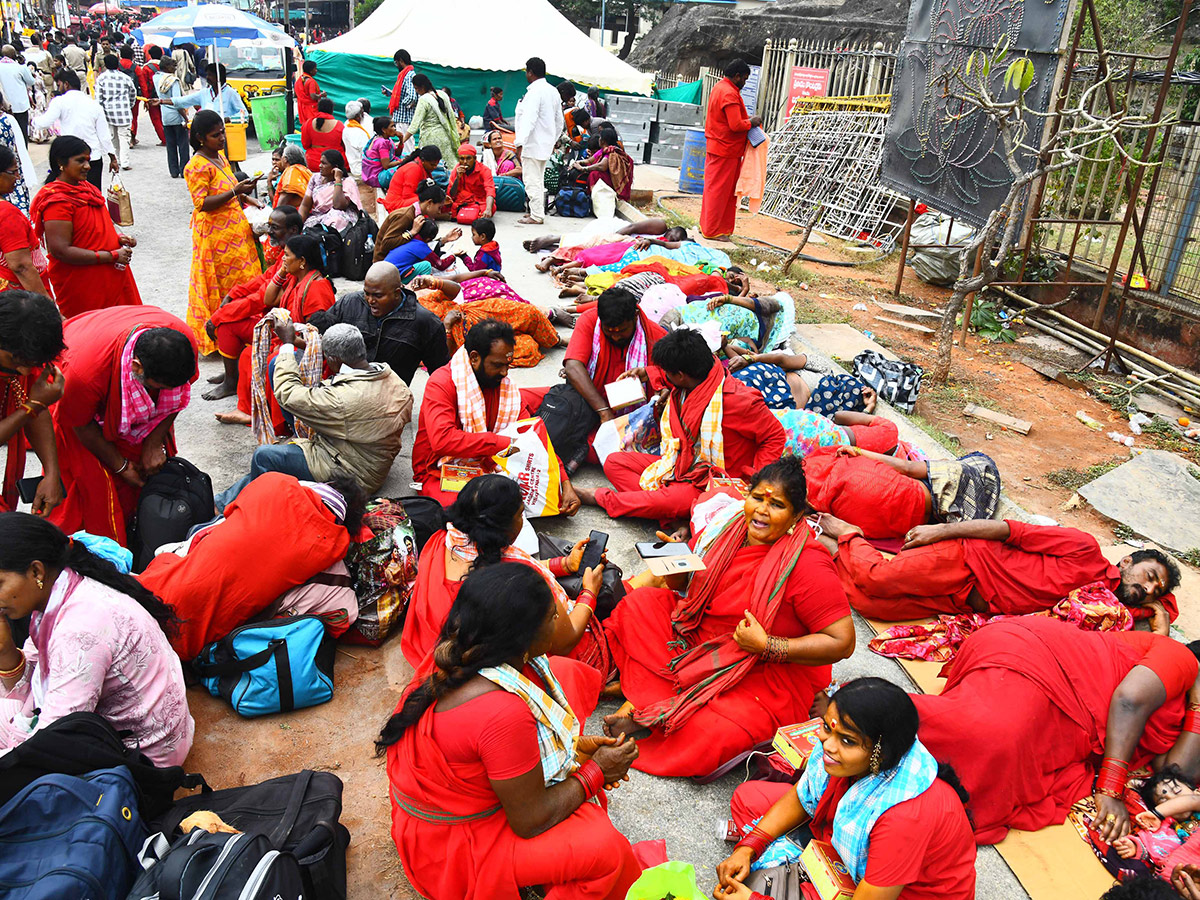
(684, 93)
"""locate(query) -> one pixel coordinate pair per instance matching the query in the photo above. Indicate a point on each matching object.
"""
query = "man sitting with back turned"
(356, 417)
(398, 330)
(995, 568)
(608, 341)
(713, 425)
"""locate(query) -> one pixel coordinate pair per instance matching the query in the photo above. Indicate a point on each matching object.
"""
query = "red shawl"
(83, 194)
(692, 285)
(709, 669)
(685, 425)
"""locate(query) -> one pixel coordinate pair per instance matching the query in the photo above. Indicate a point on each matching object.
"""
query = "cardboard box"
(827, 872)
(796, 743)
(625, 392)
(455, 478)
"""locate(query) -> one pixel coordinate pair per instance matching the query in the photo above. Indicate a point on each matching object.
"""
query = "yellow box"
(795, 743)
(827, 872)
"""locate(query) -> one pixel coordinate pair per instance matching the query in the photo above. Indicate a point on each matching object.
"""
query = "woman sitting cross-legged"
(492, 784)
(718, 668)
(96, 643)
(484, 522)
(331, 197)
(894, 813)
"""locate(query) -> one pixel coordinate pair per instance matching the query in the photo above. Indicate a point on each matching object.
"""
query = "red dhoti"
(626, 498)
(718, 203)
(925, 581)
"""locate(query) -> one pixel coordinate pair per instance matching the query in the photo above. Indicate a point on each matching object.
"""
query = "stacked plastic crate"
(633, 118)
(653, 130)
(668, 133)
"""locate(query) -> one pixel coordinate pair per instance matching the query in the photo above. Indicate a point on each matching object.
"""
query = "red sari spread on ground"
(79, 289)
(211, 590)
(430, 607)
(1023, 715)
(767, 696)
(98, 501)
(454, 838)
(865, 492)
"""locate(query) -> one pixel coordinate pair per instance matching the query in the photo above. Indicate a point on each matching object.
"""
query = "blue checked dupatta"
(557, 727)
(868, 799)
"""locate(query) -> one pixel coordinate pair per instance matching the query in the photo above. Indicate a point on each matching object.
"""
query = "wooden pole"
(908, 224)
(970, 300)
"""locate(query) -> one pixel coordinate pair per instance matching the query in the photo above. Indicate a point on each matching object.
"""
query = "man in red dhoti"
(31, 335)
(128, 372)
(471, 192)
(232, 325)
(713, 425)
(613, 338)
(725, 130)
(995, 568)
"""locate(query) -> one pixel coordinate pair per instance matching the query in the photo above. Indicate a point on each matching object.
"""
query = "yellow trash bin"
(235, 141)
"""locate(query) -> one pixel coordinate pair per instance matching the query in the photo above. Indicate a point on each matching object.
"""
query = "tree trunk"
(945, 334)
(631, 23)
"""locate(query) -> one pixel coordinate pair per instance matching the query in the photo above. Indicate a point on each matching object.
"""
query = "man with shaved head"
(398, 331)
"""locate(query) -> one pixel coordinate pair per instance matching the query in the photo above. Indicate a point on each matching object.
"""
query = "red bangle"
(1191, 722)
(1114, 773)
(557, 566)
(591, 776)
(757, 840)
(586, 598)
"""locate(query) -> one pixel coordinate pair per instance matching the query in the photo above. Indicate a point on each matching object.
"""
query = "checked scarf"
(557, 727)
(312, 367)
(472, 409)
(139, 412)
(866, 800)
(698, 419)
(707, 670)
(636, 353)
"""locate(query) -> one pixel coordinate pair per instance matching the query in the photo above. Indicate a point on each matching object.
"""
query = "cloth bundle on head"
(140, 413)
(311, 369)
(467, 150)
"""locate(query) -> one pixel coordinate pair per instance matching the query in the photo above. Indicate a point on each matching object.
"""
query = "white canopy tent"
(489, 36)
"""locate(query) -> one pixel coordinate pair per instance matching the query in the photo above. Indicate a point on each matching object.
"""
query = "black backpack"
(297, 813)
(569, 420)
(176, 498)
(427, 516)
(333, 244)
(358, 247)
(83, 742)
(203, 866)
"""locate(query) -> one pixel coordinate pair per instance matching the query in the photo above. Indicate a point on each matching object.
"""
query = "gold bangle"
(17, 670)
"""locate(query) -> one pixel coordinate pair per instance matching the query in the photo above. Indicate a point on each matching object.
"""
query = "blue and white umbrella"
(212, 24)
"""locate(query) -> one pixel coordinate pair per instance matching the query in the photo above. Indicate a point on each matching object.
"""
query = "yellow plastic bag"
(675, 879)
(532, 463)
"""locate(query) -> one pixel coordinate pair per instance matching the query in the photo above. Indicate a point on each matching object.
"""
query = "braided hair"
(499, 611)
(484, 512)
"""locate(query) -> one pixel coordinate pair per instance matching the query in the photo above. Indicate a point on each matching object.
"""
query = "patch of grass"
(954, 395)
(678, 219)
(742, 256)
(1192, 557)
(1123, 532)
(950, 443)
(808, 313)
(1194, 472)
(1106, 391)
(1073, 479)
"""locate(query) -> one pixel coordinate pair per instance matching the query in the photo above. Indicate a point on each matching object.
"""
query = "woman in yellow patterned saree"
(223, 251)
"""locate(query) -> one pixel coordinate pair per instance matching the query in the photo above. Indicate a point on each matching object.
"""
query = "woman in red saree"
(716, 670)
(1035, 707)
(89, 261)
(484, 522)
(490, 780)
(299, 286)
(128, 373)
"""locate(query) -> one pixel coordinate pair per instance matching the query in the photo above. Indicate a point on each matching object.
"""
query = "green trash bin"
(269, 112)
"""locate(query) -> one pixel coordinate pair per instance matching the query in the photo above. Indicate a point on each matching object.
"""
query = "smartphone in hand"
(594, 551)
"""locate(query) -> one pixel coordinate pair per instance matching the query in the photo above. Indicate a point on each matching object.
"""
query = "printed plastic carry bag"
(533, 464)
(637, 430)
(671, 879)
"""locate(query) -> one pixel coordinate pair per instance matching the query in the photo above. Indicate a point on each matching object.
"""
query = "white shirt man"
(539, 124)
(74, 112)
(16, 81)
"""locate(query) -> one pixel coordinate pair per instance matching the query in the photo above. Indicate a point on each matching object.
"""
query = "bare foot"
(612, 691)
(529, 220)
(528, 245)
(216, 379)
(561, 317)
(587, 496)
(221, 391)
(543, 266)
(233, 417)
(568, 292)
(617, 725)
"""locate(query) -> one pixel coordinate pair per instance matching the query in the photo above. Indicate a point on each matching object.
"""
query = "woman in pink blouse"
(96, 644)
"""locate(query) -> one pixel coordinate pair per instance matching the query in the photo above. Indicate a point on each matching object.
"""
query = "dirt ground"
(985, 373)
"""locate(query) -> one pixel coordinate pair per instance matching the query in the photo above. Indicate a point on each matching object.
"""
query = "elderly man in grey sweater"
(356, 416)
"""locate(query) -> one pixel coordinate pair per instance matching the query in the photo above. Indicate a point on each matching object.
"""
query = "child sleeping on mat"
(1163, 838)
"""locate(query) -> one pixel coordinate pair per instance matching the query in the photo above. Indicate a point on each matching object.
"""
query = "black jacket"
(406, 337)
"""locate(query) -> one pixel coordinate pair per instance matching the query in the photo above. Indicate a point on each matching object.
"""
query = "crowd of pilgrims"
(800, 502)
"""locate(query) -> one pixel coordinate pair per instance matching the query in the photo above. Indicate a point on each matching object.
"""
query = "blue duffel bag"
(272, 666)
(573, 202)
(71, 836)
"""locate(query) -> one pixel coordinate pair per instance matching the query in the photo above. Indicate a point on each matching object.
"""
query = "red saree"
(430, 607)
(456, 844)
(97, 501)
(79, 289)
(13, 388)
(209, 589)
(865, 492)
(693, 285)
(1023, 715)
(712, 701)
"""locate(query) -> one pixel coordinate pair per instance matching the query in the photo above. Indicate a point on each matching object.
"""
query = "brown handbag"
(120, 206)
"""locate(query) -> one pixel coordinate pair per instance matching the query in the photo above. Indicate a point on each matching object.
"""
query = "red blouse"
(494, 728)
(15, 234)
